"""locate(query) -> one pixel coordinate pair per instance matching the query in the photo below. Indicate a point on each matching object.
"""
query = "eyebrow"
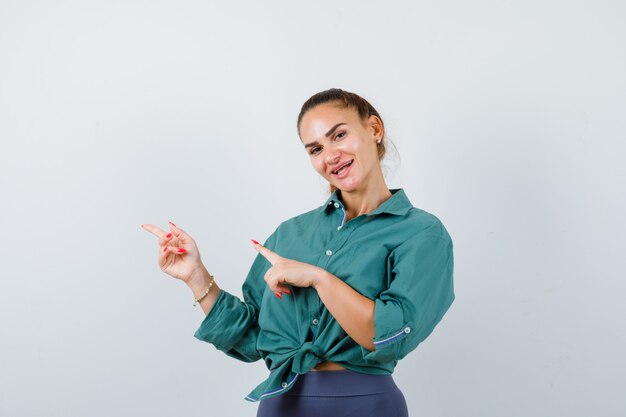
(330, 132)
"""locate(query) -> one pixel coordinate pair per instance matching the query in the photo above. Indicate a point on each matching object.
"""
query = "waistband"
(341, 383)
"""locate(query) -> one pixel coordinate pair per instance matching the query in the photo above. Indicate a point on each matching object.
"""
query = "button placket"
(343, 217)
(336, 243)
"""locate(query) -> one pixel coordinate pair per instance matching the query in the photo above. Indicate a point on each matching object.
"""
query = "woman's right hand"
(178, 253)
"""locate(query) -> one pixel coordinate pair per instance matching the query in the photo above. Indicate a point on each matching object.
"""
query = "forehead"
(316, 122)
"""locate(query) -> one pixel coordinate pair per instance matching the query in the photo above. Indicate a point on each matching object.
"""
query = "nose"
(332, 158)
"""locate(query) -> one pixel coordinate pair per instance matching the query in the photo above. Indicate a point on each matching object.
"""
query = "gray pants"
(341, 393)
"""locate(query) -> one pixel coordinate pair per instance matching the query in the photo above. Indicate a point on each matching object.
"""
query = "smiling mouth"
(343, 167)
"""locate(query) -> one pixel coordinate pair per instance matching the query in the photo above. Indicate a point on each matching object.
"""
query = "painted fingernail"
(172, 224)
(279, 295)
(287, 292)
(169, 235)
(165, 249)
(255, 242)
(181, 250)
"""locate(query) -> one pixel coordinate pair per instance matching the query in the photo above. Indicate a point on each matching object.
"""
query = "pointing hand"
(178, 253)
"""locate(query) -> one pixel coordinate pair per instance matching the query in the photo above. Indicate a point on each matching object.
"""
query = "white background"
(509, 120)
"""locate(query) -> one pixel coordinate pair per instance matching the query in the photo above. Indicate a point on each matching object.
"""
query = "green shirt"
(398, 255)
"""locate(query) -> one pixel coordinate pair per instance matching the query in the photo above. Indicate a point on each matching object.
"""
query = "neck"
(359, 202)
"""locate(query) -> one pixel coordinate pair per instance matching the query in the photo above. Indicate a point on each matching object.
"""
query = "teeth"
(342, 167)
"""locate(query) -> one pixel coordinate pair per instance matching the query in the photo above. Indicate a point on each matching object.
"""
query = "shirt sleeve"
(232, 325)
(420, 293)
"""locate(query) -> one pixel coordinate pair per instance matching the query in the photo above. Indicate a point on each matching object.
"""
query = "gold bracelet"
(205, 293)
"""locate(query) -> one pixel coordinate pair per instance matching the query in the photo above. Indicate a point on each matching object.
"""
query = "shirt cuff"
(226, 322)
(390, 329)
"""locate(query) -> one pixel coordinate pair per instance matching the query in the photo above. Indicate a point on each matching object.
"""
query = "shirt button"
(284, 385)
(315, 322)
(407, 330)
(329, 252)
(336, 205)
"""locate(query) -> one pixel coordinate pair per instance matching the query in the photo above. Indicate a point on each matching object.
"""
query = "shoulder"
(425, 225)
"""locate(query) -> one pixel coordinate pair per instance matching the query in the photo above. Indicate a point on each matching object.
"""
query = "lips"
(342, 165)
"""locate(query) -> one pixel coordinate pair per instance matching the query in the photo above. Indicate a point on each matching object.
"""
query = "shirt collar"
(398, 203)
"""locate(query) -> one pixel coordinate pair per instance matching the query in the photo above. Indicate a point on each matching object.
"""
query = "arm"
(231, 324)
(353, 311)
(198, 284)
(404, 314)
(420, 293)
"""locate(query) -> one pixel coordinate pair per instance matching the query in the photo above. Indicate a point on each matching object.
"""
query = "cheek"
(350, 146)
(318, 165)
(356, 145)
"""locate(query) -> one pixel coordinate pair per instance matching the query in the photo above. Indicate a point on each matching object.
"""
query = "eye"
(314, 151)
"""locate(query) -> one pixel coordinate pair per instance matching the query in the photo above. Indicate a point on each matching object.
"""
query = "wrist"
(202, 285)
(322, 279)
(198, 276)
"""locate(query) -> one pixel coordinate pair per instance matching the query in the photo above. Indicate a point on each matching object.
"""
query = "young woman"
(338, 295)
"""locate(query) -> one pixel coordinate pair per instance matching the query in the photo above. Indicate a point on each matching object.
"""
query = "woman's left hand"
(288, 271)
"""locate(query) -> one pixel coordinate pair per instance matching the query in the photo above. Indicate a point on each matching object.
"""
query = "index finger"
(154, 230)
(273, 257)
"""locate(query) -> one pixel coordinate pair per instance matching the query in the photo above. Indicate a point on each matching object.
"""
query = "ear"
(376, 126)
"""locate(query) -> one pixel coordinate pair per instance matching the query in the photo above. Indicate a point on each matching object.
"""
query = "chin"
(347, 186)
